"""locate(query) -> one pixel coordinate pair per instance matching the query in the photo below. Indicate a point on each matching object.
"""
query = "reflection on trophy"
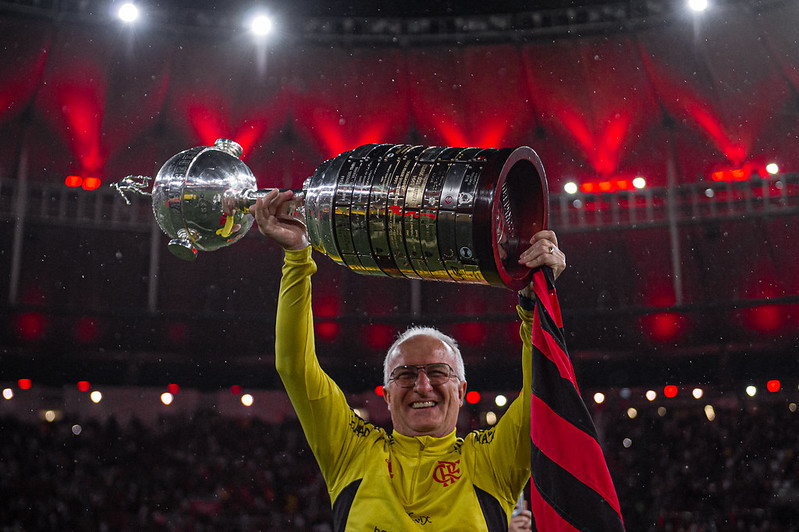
(396, 210)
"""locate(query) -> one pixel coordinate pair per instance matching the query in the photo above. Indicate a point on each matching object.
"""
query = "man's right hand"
(287, 231)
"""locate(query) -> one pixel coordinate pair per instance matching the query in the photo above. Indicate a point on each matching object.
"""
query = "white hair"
(449, 341)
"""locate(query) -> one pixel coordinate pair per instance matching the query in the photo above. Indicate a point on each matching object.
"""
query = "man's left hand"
(544, 251)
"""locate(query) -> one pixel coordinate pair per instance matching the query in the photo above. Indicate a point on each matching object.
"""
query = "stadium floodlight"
(773, 168)
(128, 12)
(698, 5)
(570, 187)
(261, 25)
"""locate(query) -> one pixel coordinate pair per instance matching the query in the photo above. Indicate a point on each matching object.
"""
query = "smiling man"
(421, 475)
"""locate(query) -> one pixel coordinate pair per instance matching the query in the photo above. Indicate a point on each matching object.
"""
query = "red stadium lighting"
(173, 388)
(773, 386)
(24, 384)
(472, 397)
(471, 333)
(31, 325)
(379, 336)
(91, 183)
(670, 391)
(326, 307)
(609, 185)
(73, 181)
(663, 326)
(84, 386)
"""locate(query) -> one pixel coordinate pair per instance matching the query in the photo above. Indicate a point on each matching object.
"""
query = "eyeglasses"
(438, 373)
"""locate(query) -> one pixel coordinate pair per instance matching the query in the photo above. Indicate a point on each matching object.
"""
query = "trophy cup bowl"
(393, 210)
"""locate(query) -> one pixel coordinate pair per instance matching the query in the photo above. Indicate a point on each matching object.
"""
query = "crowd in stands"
(678, 472)
(684, 472)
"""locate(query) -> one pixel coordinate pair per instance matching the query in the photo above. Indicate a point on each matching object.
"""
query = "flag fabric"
(571, 487)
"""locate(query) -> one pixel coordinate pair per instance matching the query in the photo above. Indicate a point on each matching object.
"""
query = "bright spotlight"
(128, 12)
(698, 5)
(651, 395)
(500, 400)
(167, 398)
(599, 398)
(96, 396)
(697, 393)
(247, 399)
(570, 187)
(639, 182)
(261, 25)
(773, 168)
(751, 391)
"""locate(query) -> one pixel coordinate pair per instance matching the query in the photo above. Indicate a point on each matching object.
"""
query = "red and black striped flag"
(571, 487)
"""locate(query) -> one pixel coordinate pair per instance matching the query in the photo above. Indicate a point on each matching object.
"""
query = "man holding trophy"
(421, 476)
(464, 215)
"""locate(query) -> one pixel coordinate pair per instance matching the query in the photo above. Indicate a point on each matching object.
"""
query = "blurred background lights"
(697, 393)
(500, 400)
(96, 396)
(710, 412)
(76, 429)
(792, 407)
(570, 187)
(173, 388)
(261, 25)
(24, 384)
(128, 12)
(247, 399)
(632, 413)
(8, 394)
(491, 418)
(599, 398)
(651, 395)
(84, 386)
(472, 397)
(773, 168)
(167, 398)
(698, 5)
(625, 393)
(773, 386)
(627, 442)
(661, 411)
(751, 391)
(639, 182)
(49, 416)
(379, 390)
(670, 391)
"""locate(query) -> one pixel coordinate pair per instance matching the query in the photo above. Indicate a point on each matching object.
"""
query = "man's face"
(424, 409)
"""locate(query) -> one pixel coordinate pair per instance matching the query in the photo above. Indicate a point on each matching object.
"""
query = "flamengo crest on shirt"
(446, 473)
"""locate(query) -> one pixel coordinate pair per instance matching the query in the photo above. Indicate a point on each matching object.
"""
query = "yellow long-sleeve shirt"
(391, 482)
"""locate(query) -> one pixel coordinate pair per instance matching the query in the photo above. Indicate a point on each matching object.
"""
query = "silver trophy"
(396, 210)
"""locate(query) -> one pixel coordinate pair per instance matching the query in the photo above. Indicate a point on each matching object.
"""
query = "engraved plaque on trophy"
(396, 210)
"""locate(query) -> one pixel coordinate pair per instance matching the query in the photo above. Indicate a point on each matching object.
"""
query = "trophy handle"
(132, 183)
(245, 199)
